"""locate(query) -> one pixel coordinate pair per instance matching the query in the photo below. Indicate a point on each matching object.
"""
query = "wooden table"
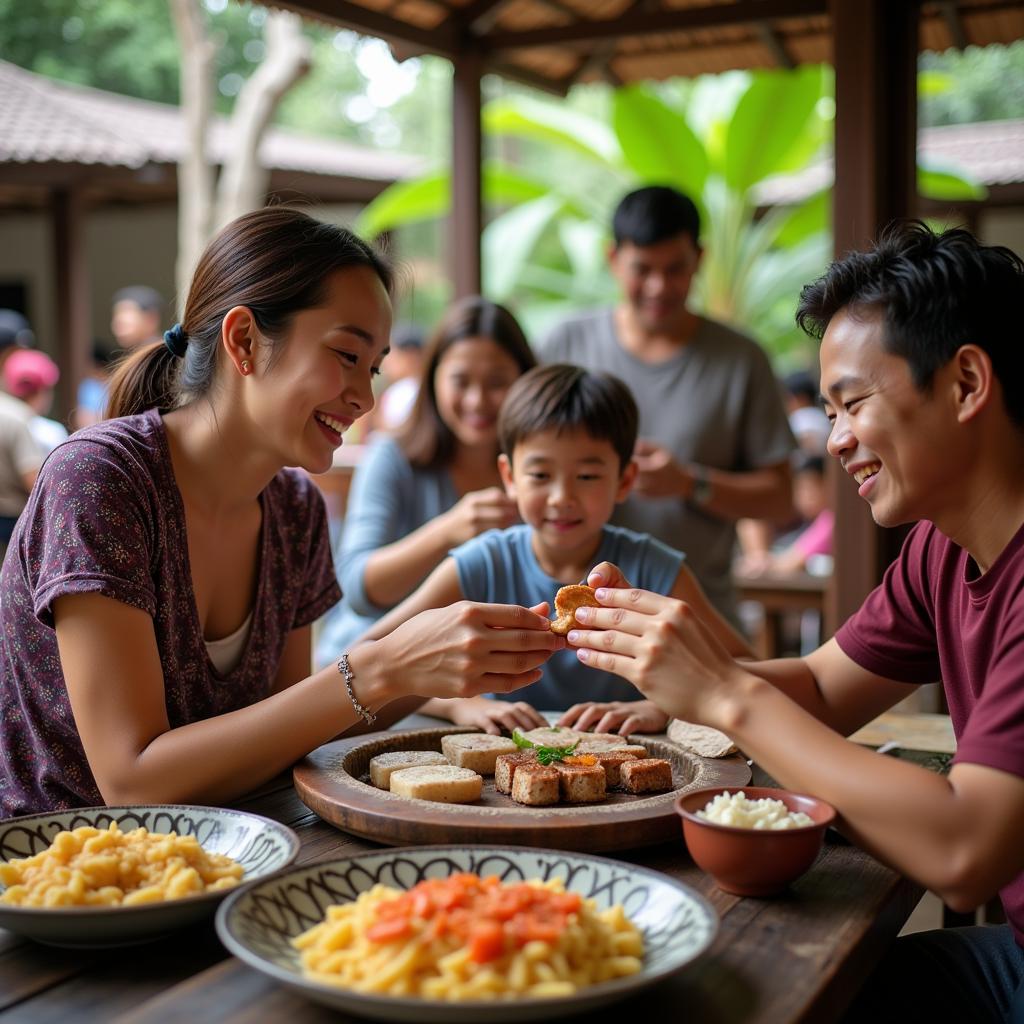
(779, 593)
(797, 957)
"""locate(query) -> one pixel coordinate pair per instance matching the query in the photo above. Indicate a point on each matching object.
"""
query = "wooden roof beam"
(478, 16)
(599, 61)
(517, 73)
(772, 42)
(584, 33)
(442, 40)
(951, 16)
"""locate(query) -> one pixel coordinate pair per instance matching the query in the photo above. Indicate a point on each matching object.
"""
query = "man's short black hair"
(804, 462)
(563, 397)
(407, 336)
(801, 384)
(650, 215)
(15, 331)
(934, 291)
(149, 300)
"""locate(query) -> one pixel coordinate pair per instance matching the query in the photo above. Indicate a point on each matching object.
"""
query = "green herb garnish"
(545, 755)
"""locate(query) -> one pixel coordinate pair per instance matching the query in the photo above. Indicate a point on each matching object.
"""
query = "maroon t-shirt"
(934, 617)
(106, 517)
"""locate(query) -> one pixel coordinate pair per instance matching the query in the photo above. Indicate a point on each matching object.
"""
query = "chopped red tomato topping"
(483, 914)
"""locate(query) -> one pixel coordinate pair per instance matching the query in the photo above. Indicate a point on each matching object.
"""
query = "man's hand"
(660, 645)
(659, 475)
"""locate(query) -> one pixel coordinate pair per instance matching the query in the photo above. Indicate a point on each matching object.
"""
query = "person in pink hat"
(31, 376)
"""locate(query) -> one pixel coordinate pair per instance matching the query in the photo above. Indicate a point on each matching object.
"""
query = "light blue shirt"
(500, 567)
(389, 499)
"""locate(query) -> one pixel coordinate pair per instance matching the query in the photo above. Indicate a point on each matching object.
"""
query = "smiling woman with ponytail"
(157, 598)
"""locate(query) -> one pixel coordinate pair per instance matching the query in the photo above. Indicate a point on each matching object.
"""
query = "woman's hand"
(621, 716)
(659, 645)
(494, 716)
(479, 511)
(461, 651)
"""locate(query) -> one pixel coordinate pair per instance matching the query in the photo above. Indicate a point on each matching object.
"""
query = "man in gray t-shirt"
(714, 439)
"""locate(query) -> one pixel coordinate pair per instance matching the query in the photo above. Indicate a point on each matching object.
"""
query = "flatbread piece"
(700, 739)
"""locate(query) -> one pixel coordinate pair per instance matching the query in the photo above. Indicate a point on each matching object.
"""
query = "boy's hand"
(621, 716)
(495, 715)
(607, 574)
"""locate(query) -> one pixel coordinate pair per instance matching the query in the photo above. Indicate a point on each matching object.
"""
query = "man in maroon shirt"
(923, 380)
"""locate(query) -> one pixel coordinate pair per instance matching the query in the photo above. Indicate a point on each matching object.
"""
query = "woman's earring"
(245, 367)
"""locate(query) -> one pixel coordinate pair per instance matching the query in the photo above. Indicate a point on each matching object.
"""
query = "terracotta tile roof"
(989, 152)
(43, 121)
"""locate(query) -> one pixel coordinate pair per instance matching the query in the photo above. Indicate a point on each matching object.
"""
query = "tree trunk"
(244, 179)
(195, 173)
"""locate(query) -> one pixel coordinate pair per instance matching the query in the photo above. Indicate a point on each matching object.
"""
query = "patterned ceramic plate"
(257, 843)
(257, 923)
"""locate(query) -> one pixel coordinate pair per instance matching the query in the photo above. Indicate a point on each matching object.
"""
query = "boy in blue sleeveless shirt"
(567, 437)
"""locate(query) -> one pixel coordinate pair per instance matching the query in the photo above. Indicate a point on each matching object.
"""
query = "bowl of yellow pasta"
(111, 876)
(458, 934)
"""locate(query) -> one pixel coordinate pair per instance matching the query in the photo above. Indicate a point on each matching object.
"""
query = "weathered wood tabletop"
(799, 957)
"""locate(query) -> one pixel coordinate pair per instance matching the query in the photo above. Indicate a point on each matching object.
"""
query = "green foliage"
(989, 85)
(125, 46)
(717, 140)
(768, 122)
(657, 144)
(130, 47)
(545, 254)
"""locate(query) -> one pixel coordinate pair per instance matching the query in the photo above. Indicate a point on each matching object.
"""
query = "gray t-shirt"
(500, 567)
(106, 517)
(716, 403)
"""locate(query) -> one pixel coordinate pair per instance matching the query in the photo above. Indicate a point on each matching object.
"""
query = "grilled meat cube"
(535, 785)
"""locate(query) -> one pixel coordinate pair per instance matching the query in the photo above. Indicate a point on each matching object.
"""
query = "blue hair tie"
(176, 340)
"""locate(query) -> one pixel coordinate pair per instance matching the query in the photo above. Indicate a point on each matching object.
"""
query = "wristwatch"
(700, 492)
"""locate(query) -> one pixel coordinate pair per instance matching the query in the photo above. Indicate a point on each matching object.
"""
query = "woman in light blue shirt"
(435, 484)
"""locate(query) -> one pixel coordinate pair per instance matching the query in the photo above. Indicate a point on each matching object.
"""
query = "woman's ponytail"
(145, 379)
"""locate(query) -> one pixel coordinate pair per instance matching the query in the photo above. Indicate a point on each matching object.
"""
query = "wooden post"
(74, 315)
(875, 56)
(467, 201)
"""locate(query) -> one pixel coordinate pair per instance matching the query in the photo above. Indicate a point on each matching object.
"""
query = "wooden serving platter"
(334, 782)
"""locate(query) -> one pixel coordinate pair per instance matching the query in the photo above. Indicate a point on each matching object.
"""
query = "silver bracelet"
(346, 671)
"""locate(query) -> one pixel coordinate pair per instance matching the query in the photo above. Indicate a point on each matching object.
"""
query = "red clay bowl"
(747, 861)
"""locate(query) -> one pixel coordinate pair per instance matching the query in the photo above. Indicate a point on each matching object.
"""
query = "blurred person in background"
(792, 551)
(15, 334)
(135, 319)
(136, 316)
(435, 484)
(402, 372)
(20, 453)
(807, 419)
(32, 376)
